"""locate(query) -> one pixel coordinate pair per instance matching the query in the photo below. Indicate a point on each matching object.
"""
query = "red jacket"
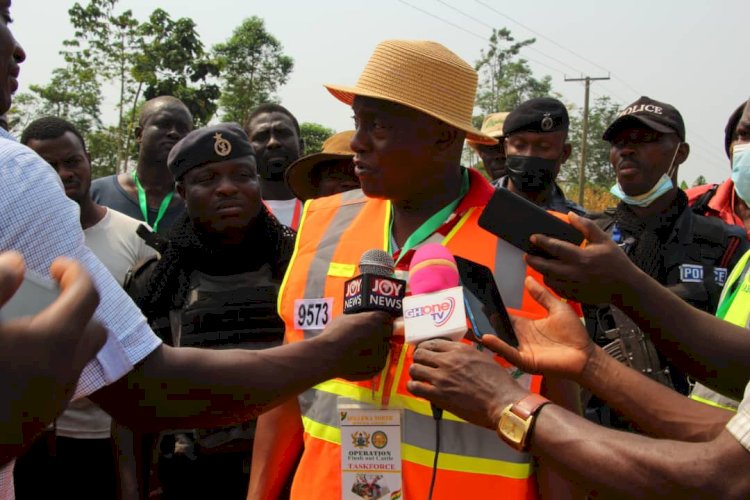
(721, 204)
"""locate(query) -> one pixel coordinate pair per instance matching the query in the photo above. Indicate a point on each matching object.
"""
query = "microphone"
(435, 308)
(376, 288)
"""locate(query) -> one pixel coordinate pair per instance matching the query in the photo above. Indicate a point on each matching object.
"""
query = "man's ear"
(180, 188)
(567, 149)
(302, 146)
(138, 133)
(682, 153)
(447, 137)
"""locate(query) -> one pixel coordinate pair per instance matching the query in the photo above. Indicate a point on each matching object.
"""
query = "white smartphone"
(35, 293)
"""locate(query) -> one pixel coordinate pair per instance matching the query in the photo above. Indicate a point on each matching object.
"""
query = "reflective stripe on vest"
(739, 310)
(738, 314)
(324, 258)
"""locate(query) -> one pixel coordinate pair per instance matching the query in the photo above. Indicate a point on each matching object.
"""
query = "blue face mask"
(741, 171)
(662, 186)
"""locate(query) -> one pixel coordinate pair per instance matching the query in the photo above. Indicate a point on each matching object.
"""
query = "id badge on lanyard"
(370, 451)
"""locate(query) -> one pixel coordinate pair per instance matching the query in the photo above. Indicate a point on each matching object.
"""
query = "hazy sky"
(691, 54)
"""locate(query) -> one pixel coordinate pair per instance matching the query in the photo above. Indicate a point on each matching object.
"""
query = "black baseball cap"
(656, 115)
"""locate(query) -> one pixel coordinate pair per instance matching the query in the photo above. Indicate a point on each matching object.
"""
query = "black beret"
(731, 126)
(541, 114)
(221, 142)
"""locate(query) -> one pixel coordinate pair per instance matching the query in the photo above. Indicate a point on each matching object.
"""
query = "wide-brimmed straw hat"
(492, 126)
(424, 76)
(299, 174)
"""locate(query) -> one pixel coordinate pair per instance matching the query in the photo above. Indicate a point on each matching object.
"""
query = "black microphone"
(376, 288)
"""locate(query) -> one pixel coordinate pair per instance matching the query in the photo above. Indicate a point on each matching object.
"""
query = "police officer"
(536, 145)
(653, 224)
(215, 287)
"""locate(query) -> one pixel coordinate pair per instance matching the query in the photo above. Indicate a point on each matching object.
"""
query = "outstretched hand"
(593, 274)
(557, 344)
(42, 356)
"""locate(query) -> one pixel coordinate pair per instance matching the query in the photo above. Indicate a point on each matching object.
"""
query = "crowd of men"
(198, 346)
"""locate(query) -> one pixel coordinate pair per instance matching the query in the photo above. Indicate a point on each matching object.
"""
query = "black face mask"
(530, 173)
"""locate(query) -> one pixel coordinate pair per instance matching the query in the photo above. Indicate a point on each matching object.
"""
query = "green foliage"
(314, 134)
(160, 56)
(683, 185)
(507, 79)
(253, 67)
(599, 171)
(108, 41)
(699, 181)
(173, 62)
(102, 147)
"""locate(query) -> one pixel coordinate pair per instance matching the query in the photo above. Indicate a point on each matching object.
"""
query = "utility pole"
(585, 132)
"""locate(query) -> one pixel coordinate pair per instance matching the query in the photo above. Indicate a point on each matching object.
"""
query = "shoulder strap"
(152, 239)
(605, 220)
(137, 276)
(718, 234)
(701, 204)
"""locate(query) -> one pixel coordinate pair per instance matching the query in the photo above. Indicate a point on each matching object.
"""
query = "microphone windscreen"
(376, 262)
(432, 268)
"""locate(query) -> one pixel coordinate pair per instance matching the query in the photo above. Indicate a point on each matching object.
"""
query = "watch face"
(513, 428)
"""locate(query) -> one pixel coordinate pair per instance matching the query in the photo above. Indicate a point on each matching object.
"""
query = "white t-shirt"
(283, 209)
(115, 242)
(42, 223)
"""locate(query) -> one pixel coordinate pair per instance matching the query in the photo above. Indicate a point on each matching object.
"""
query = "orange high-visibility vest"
(473, 463)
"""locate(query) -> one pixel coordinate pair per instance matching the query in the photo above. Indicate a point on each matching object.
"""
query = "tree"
(253, 67)
(599, 171)
(160, 56)
(173, 62)
(507, 79)
(314, 134)
(700, 181)
(108, 41)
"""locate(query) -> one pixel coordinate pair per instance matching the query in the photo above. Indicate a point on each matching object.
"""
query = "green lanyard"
(432, 224)
(142, 202)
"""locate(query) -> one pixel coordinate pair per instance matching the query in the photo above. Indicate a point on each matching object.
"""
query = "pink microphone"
(432, 268)
(436, 307)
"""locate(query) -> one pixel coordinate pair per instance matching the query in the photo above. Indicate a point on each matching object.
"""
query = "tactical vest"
(223, 312)
(334, 233)
(737, 313)
(696, 260)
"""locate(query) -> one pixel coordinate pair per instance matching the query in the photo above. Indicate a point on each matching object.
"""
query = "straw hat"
(421, 75)
(299, 174)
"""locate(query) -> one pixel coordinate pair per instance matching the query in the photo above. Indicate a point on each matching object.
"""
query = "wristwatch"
(517, 421)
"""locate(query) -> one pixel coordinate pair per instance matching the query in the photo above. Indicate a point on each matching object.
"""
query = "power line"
(556, 44)
(487, 25)
(701, 143)
(434, 16)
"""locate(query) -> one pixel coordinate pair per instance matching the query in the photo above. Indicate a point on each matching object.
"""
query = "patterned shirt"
(42, 223)
(739, 426)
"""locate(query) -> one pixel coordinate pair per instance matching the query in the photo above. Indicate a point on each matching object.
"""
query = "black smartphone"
(484, 305)
(514, 219)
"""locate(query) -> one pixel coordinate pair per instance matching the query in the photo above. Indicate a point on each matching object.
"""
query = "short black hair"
(49, 127)
(730, 131)
(272, 107)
